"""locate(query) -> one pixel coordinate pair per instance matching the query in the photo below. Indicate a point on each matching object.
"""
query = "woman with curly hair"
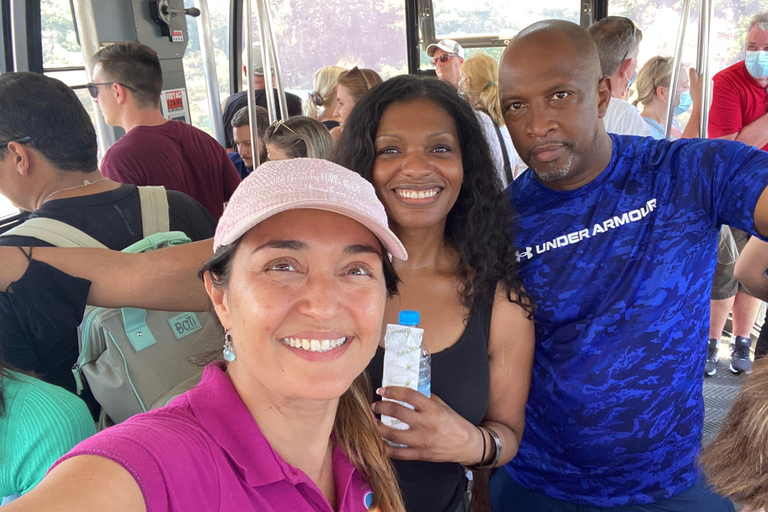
(421, 146)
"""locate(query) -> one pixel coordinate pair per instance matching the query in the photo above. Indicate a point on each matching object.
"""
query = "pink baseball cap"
(298, 183)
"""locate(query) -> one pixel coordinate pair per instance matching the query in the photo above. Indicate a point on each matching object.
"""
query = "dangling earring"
(229, 354)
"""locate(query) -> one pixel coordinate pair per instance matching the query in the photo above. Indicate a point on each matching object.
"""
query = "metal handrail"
(248, 19)
(269, 58)
(89, 45)
(209, 68)
(267, 17)
(702, 64)
(676, 67)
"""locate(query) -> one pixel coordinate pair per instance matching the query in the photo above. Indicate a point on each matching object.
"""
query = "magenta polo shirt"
(204, 451)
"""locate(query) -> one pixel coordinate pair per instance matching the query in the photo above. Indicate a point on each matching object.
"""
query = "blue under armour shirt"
(621, 271)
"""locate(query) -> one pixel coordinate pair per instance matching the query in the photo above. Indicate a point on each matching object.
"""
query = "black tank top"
(461, 378)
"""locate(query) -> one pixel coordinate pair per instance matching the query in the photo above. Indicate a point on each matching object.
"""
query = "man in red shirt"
(127, 82)
(739, 112)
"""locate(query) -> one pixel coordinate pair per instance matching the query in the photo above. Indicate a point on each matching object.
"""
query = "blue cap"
(409, 317)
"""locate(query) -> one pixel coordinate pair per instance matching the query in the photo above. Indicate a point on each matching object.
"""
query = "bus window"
(364, 33)
(485, 27)
(194, 74)
(660, 24)
(62, 57)
(6, 208)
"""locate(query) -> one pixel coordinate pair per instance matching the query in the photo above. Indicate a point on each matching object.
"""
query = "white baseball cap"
(447, 45)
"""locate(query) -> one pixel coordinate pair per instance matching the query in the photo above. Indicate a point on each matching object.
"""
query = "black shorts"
(725, 285)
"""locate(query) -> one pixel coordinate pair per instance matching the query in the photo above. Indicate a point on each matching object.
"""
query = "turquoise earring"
(229, 354)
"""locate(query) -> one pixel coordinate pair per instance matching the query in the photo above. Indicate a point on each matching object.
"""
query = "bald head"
(561, 37)
(553, 95)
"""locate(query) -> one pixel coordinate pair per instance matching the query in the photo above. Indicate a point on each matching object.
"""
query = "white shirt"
(624, 119)
(489, 132)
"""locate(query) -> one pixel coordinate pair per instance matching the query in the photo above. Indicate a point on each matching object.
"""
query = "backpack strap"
(507, 165)
(154, 210)
(54, 232)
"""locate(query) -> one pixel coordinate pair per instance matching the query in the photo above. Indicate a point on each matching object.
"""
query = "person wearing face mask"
(739, 112)
(653, 83)
(618, 40)
(739, 95)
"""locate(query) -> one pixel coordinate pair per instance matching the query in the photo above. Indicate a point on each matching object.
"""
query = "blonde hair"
(301, 137)
(736, 462)
(655, 73)
(324, 82)
(359, 81)
(483, 73)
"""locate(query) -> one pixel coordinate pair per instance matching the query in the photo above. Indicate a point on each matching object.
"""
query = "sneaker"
(740, 362)
(710, 368)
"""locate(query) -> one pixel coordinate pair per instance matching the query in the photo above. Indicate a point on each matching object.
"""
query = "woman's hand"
(437, 433)
(696, 85)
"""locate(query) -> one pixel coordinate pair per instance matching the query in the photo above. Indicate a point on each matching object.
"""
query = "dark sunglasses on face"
(443, 58)
(20, 140)
(93, 88)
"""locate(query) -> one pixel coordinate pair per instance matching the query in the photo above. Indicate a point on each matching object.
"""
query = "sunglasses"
(93, 88)
(20, 140)
(272, 129)
(443, 58)
(362, 77)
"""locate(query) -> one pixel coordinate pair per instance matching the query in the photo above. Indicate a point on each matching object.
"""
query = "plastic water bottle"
(412, 319)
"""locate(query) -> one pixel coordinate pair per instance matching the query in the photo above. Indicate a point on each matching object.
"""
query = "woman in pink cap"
(421, 146)
(299, 279)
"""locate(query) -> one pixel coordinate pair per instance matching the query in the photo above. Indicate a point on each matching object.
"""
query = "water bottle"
(412, 319)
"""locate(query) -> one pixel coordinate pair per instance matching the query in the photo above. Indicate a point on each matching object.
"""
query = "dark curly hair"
(479, 226)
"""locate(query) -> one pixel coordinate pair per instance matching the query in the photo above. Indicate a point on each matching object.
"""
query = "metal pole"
(702, 64)
(267, 17)
(265, 60)
(89, 45)
(209, 67)
(248, 18)
(676, 67)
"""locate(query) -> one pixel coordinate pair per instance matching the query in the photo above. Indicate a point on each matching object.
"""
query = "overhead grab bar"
(702, 64)
(209, 68)
(676, 67)
(89, 45)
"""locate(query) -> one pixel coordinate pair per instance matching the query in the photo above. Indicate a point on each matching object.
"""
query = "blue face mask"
(685, 103)
(757, 64)
(632, 80)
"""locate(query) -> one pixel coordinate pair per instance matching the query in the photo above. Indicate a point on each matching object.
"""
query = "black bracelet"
(474, 467)
(497, 455)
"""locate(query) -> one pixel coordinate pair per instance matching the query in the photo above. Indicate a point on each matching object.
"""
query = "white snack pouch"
(402, 350)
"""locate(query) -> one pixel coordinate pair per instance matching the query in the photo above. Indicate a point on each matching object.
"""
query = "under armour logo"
(528, 254)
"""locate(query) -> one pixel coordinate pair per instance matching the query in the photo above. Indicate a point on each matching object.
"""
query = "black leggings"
(761, 347)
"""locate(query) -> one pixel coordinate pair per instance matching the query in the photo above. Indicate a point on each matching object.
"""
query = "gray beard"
(554, 173)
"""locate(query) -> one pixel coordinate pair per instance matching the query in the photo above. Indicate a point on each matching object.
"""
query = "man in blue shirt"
(617, 246)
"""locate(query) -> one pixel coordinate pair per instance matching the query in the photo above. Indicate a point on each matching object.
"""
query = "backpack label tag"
(184, 324)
